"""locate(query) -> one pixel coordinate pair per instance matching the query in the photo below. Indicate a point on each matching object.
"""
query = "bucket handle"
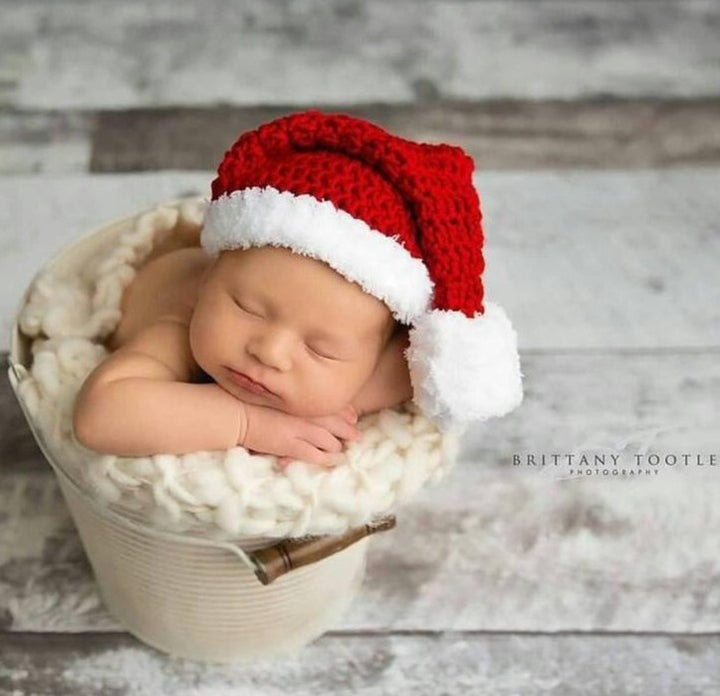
(273, 561)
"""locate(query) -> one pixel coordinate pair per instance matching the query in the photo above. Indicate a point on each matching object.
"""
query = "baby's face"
(291, 323)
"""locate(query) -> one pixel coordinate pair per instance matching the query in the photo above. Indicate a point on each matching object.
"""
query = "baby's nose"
(274, 349)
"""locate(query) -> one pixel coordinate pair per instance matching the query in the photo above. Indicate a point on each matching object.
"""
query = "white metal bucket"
(187, 596)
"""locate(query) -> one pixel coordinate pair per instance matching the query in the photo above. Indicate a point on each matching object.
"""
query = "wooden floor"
(595, 127)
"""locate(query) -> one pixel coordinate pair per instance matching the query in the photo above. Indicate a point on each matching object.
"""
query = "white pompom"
(464, 369)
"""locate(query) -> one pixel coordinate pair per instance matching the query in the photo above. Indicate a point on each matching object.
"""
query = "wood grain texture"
(339, 663)
(33, 142)
(493, 546)
(603, 133)
(120, 55)
(499, 134)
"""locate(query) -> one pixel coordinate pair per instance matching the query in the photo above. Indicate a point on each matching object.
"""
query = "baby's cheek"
(326, 391)
(348, 382)
(202, 335)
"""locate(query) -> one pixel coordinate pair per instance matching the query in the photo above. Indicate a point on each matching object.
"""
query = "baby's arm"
(116, 418)
(139, 401)
(389, 385)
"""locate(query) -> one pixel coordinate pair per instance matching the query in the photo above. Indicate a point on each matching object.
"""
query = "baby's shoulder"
(160, 350)
(164, 287)
(173, 270)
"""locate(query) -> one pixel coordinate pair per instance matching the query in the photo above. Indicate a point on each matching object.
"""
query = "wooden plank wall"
(595, 126)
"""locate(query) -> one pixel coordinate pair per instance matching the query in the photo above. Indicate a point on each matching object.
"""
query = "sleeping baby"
(338, 273)
(290, 353)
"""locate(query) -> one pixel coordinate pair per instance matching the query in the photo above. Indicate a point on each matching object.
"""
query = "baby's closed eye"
(322, 353)
(245, 309)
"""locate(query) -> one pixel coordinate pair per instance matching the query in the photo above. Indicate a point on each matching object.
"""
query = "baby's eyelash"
(244, 309)
(327, 357)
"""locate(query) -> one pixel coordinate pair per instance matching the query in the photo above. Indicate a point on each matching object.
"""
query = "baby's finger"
(350, 414)
(353, 433)
(307, 453)
(339, 427)
(323, 439)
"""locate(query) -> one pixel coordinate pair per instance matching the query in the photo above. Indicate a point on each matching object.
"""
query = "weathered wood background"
(595, 126)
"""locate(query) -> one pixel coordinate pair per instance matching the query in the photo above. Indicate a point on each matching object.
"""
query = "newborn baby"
(340, 271)
(295, 351)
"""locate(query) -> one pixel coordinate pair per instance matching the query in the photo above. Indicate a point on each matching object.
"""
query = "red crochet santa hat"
(399, 218)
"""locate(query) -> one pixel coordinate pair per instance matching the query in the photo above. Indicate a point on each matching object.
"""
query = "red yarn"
(421, 192)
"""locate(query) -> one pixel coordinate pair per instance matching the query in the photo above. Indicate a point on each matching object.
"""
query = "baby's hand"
(290, 437)
(340, 424)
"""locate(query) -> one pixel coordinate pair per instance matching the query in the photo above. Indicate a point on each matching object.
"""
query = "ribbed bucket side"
(204, 603)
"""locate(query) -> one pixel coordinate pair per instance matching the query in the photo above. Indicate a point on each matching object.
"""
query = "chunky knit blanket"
(221, 494)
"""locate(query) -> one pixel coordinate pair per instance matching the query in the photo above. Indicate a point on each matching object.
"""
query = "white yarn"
(223, 494)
